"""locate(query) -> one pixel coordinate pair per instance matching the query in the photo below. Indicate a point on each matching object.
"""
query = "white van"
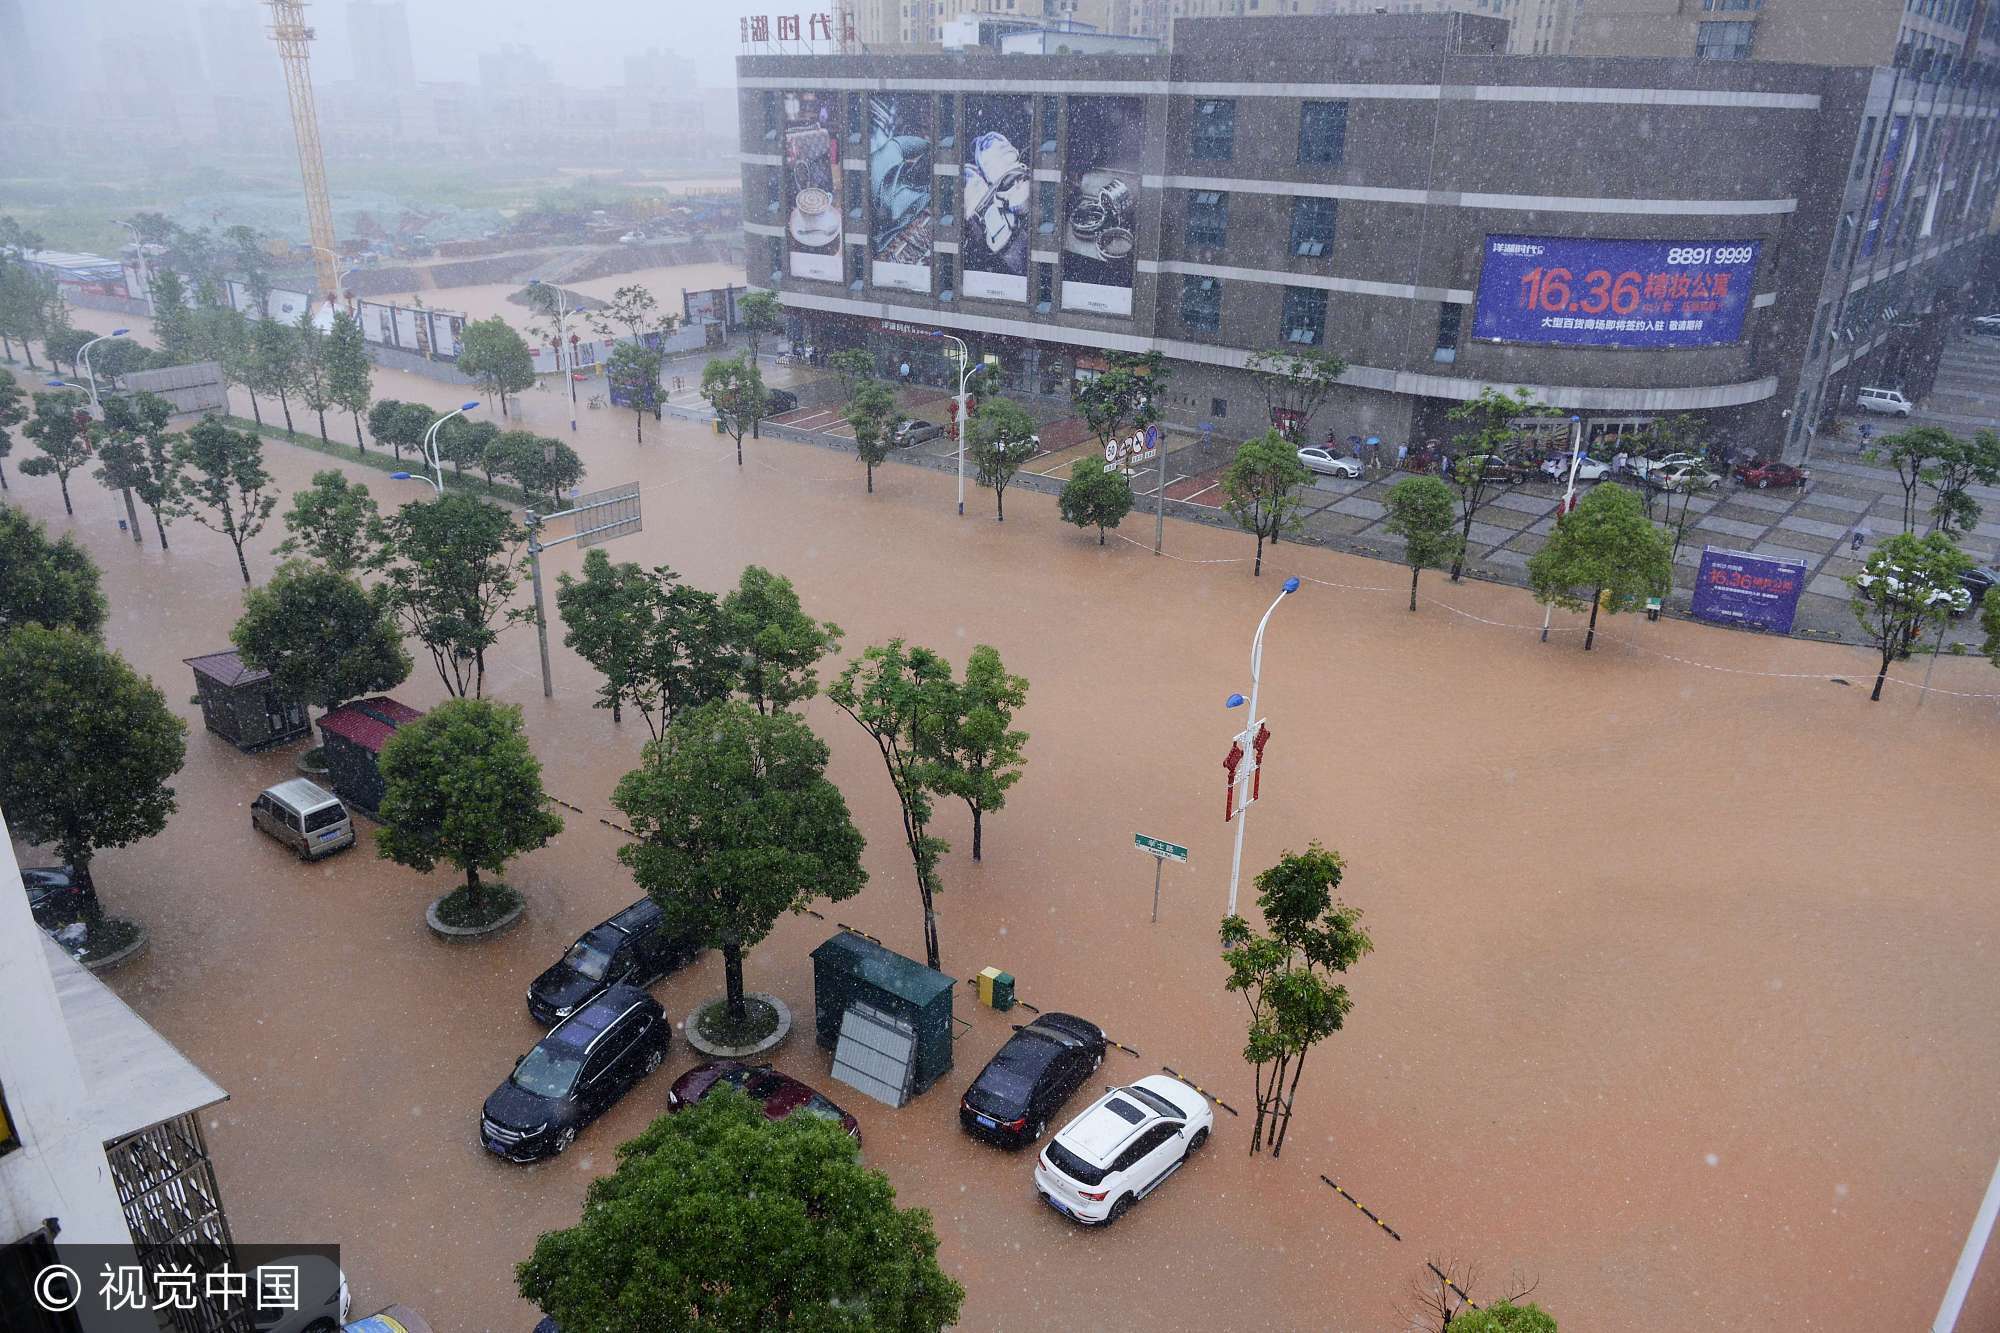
(304, 816)
(1884, 400)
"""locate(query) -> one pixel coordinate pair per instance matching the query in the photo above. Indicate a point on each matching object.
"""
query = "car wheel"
(1200, 1137)
(564, 1137)
(1763, 483)
(1119, 1209)
(654, 1058)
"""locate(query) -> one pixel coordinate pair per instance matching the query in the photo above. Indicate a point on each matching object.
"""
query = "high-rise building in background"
(236, 48)
(378, 36)
(512, 66)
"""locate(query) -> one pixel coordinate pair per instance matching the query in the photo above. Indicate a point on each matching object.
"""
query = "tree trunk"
(1278, 1144)
(241, 563)
(1888, 655)
(3, 476)
(732, 980)
(255, 412)
(160, 528)
(1414, 572)
(322, 426)
(1590, 635)
(871, 478)
(1258, 1074)
(475, 894)
(28, 350)
(358, 442)
(739, 448)
(1100, 534)
(1000, 504)
(62, 480)
(1257, 568)
(1464, 541)
(132, 517)
(976, 813)
(285, 401)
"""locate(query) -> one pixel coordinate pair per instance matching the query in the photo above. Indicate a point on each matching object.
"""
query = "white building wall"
(60, 1170)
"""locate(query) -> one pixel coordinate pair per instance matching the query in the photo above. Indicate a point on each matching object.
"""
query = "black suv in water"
(574, 1074)
(1029, 1078)
(633, 947)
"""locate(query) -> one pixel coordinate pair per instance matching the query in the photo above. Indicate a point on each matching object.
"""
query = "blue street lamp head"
(1234, 701)
(467, 407)
(399, 476)
(119, 333)
(1292, 584)
(57, 384)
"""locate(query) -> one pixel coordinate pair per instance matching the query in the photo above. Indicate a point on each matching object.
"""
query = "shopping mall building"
(1630, 237)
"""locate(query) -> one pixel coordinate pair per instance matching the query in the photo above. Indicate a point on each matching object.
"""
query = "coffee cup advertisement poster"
(812, 186)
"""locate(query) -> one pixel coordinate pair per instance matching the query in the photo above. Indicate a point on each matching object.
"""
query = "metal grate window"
(1312, 226)
(1213, 138)
(1207, 222)
(1201, 303)
(1304, 320)
(1322, 133)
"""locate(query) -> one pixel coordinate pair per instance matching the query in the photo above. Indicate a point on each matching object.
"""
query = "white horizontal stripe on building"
(1763, 299)
(759, 159)
(1541, 203)
(1686, 399)
(763, 229)
(1281, 278)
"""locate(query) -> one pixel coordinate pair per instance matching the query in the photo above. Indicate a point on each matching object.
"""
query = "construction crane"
(294, 38)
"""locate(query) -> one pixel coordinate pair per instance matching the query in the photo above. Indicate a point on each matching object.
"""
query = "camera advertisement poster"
(1101, 203)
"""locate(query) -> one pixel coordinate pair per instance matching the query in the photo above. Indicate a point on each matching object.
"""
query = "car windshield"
(548, 1073)
(1067, 1162)
(1158, 1102)
(1007, 1082)
(587, 960)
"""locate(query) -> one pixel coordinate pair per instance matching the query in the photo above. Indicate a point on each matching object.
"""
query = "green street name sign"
(1167, 851)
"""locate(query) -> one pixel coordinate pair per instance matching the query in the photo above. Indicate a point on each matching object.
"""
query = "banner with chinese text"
(1586, 292)
(1741, 589)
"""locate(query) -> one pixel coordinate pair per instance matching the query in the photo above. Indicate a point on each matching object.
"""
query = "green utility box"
(851, 970)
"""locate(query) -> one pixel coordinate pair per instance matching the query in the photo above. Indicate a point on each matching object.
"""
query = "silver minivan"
(1883, 400)
(304, 816)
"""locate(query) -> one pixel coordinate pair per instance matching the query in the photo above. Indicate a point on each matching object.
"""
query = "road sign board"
(1166, 851)
(602, 515)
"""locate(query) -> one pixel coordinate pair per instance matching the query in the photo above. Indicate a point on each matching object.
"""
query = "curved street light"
(430, 451)
(1247, 770)
(563, 344)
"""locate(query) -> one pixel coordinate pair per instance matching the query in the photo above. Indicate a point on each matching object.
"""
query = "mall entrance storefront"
(910, 353)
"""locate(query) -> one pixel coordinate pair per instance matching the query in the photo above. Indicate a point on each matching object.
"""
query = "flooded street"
(1683, 985)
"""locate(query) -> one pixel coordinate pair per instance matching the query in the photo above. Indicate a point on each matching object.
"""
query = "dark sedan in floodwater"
(1030, 1078)
(575, 1074)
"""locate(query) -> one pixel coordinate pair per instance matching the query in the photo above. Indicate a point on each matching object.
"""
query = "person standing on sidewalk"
(1402, 455)
(1861, 535)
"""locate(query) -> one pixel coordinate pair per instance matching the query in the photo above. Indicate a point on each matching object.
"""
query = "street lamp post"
(563, 350)
(430, 450)
(97, 412)
(1245, 776)
(1569, 496)
(139, 259)
(84, 357)
(964, 368)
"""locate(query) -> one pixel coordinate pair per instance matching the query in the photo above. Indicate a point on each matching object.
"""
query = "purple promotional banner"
(1748, 589)
(1585, 292)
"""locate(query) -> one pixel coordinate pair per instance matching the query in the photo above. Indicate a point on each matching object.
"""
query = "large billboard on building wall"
(1101, 202)
(899, 191)
(812, 186)
(1885, 182)
(1585, 292)
(993, 258)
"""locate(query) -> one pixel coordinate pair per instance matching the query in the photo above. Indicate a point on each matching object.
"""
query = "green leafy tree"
(661, 645)
(13, 411)
(451, 566)
(1506, 1317)
(1440, 1296)
(461, 785)
(274, 364)
(1910, 584)
(541, 465)
(1911, 453)
(229, 340)
(736, 825)
(855, 367)
(757, 314)
(315, 373)
(137, 452)
(1295, 384)
(777, 645)
(719, 1219)
(333, 521)
(871, 413)
(634, 371)
(1420, 512)
(65, 344)
(413, 422)
(1000, 440)
(19, 309)
(385, 423)
(1287, 977)
(1605, 551)
(605, 615)
(173, 319)
(1095, 494)
(1489, 433)
(1989, 621)
(734, 387)
(60, 428)
(1261, 489)
(350, 375)
(53, 584)
(323, 637)
(87, 745)
(461, 440)
(1695, 481)
(976, 754)
(112, 361)
(632, 309)
(1958, 468)
(904, 699)
(1127, 396)
(222, 475)
(494, 355)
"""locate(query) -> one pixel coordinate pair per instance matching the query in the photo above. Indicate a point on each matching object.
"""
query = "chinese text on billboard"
(1603, 293)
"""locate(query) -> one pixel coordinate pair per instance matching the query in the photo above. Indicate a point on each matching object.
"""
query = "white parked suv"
(1883, 400)
(1121, 1148)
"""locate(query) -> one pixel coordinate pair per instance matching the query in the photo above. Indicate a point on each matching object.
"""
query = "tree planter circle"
(312, 763)
(692, 1029)
(448, 932)
(124, 955)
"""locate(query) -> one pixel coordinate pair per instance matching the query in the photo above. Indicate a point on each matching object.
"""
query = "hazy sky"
(585, 42)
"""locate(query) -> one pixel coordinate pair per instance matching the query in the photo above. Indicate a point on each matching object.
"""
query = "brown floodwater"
(1681, 999)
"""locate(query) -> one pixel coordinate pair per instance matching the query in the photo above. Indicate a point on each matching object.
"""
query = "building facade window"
(1051, 113)
(1312, 226)
(1213, 138)
(1322, 133)
(1304, 320)
(777, 258)
(1724, 41)
(1861, 153)
(1045, 288)
(1729, 6)
(1207, 219)
(857, 267)
(1045, 206)
(774, 189)
(1201, 303)
(770, 116)
(855, 120)
(1451, 316)
(947, 277)
(947, 121)
(1218, 407)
